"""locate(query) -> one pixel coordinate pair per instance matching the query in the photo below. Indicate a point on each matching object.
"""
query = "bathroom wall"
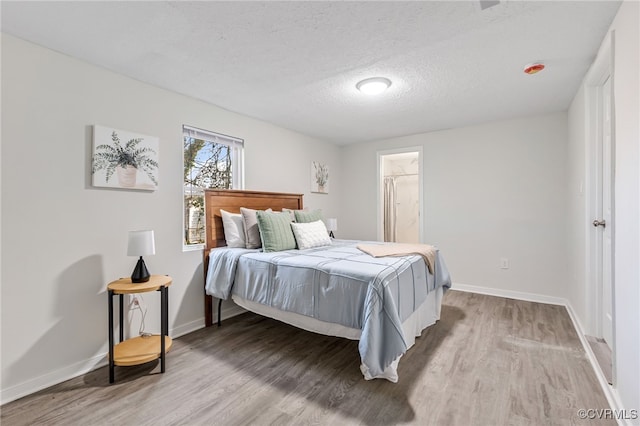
(404, 167)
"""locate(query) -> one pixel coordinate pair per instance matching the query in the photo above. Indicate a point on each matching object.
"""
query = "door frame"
(601, 70)
(380, 188)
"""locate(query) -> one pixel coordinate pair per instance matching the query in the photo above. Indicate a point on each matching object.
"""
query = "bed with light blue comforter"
(336, 284)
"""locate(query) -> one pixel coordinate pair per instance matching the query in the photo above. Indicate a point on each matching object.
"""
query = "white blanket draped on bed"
(427, 251)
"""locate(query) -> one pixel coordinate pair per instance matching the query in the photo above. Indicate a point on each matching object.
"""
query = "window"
(211, 160)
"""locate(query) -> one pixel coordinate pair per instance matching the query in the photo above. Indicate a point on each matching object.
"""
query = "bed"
(337, 290)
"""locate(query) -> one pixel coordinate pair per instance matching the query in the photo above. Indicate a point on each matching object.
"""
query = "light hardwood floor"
(488, 361)
(603, 355)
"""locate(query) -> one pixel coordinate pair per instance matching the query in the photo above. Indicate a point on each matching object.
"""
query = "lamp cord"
(136, 304)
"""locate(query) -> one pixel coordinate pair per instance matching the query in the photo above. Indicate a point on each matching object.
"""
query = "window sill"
(192, 247)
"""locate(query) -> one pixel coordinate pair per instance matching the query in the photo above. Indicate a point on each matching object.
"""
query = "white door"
(606, 216)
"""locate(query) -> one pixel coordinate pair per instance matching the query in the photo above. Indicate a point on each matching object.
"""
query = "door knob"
(597, 223)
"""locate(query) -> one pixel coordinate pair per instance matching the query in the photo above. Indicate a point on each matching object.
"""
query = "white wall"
(577, 209)
(626, 76)
(63, 241)
(490, 191)
(627, 203)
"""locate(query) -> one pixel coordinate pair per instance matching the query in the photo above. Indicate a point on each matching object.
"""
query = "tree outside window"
(211, 160)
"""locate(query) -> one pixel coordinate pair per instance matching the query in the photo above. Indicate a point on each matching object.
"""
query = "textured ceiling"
(295, 64)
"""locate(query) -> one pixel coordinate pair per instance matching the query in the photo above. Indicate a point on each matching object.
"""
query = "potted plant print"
(125, 160)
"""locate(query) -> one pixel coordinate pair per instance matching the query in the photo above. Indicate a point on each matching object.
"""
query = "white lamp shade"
(332, 224)
(141, 243)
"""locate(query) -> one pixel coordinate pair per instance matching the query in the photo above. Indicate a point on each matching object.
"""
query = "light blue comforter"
(336, 284)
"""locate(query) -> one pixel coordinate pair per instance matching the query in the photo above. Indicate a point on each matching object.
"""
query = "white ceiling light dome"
(374, 85)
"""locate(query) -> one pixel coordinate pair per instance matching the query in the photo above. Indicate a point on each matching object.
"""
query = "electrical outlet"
(504, 263)
(136, 301)
(133, 301)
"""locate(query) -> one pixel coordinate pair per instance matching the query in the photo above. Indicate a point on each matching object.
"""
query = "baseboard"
(232, 311)
(53, 378)
(510, 294)
(613, 398)
(609, 391)
(81, 367)
(187, 328)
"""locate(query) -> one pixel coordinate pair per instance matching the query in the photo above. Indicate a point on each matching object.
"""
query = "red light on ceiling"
(533, 68)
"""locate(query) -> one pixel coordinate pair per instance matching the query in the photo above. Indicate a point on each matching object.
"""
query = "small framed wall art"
(319, 177)
(123, 159)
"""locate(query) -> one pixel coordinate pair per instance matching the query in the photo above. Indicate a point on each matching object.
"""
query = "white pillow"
(251, 229)
(233, 229)
(311, 234)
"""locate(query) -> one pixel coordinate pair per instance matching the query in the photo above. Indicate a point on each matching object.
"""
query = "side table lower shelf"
(139, 350)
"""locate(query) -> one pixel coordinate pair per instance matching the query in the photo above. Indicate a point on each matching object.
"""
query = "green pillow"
(303, 216)
(275, 231)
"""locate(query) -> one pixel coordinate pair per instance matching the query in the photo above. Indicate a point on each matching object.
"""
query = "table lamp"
(141, 243)
(332, 225)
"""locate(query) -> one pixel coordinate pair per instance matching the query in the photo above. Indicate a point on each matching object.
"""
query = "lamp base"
(140, 272)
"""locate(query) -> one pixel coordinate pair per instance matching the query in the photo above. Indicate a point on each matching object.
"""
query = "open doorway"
(400, 196)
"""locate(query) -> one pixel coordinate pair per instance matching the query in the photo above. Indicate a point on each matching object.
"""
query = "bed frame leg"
(219, 312)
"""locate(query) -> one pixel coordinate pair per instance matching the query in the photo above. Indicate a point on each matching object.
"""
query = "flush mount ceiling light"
(373, 86)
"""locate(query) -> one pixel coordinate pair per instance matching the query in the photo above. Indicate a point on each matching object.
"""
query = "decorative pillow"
(303, 216)
(275, 231)
(233, 229)
(251, 231)
(312, 234)
(292, 213)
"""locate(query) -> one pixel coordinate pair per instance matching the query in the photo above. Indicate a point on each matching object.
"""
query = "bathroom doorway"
(400, 195)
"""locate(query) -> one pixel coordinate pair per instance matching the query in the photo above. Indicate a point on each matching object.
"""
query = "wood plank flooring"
(488, 361)
(603, 354)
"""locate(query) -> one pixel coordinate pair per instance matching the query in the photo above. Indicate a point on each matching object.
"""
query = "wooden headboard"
(231, 200)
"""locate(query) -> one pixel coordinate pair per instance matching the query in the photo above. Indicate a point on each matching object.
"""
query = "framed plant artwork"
(123, 159)
(319, 177)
